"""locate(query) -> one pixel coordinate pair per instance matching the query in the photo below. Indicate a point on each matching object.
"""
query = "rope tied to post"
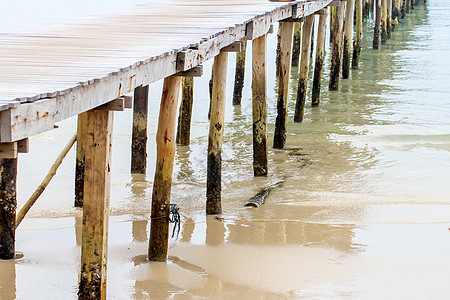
(172, 217)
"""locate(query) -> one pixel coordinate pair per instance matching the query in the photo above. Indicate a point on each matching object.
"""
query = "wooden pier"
(95, 66)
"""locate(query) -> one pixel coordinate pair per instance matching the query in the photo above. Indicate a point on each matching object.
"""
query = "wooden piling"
(332, 18)
(407, 6)
(304, 68)
(99, 126)
(286, 34)
(318, 65)
(259, 106)
(389, 18)
(8, 206)
(278, 52)
(296, 46)
(139, 134)
(384, 34)
(376, 30)
(348, 33)
(358, 38)
(165, 144)
(239, 74)
(337, 48)
(185, 113)
(80, 160)
(214, 168)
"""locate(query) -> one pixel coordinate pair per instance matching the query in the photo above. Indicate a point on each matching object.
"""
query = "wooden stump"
(304, 68)
(358, 37)
(318, 65)
(165, 142)
(286, 34)
(8, 206)
(214, 169)
(296, 46)
(185, 114)
(259, 106)
(80, 161)
(348, 33)
(337, 48)
(99, 126)
(239, 74)
(376, 30)
(139, 135)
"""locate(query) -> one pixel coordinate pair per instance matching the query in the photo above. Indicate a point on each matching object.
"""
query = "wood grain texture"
(165, 144)
(99, 126)
(77, 65)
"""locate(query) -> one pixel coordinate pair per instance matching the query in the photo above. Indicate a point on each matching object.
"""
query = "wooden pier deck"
(63, 70)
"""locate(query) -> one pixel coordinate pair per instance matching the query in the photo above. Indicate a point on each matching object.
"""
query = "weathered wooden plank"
(165, 141)
(8, 150)
(287, 35)
(337, 49)
(259, 101)
(185, 114)
(139, 131)
(239, 74)
(214, 168)
(96, 204)
(76, 72)
(304, 69)
(8, 205)
(348, 33)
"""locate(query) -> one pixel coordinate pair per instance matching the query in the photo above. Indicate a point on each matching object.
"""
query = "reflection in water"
(8, 279)
(139, 230)
(215, 230)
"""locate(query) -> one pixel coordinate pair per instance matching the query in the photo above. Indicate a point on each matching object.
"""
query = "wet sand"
(368, 218)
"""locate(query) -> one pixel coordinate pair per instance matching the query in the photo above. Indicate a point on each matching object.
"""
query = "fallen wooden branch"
(45, 182)
(258, 199)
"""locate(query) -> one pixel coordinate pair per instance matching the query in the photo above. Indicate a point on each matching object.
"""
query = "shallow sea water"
(367, 218)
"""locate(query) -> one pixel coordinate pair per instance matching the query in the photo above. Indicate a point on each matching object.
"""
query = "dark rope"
(174, 217)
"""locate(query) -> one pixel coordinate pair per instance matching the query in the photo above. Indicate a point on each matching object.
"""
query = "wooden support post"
(384, 34)
(332, 17)
(8, 205)
(165, 142)
(407, 6)
(139, 135)
(286, 34)
(348, 33)
(278, 52)
(389, 18)
(318, 65)
(239, 74)
(97, 173)
(376, 30)
(412, 4)
(296, 44)
(337, 48)
(80, 160)
(358, 38)
(185, 114)
(214, 168)
(259, 106)
(304, 68)
(312, 38)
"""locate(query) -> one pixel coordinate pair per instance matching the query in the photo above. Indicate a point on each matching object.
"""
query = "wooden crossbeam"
(119, 104)
(194, 72)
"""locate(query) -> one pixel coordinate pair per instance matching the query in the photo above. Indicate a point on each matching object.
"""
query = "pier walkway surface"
(54, 72)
